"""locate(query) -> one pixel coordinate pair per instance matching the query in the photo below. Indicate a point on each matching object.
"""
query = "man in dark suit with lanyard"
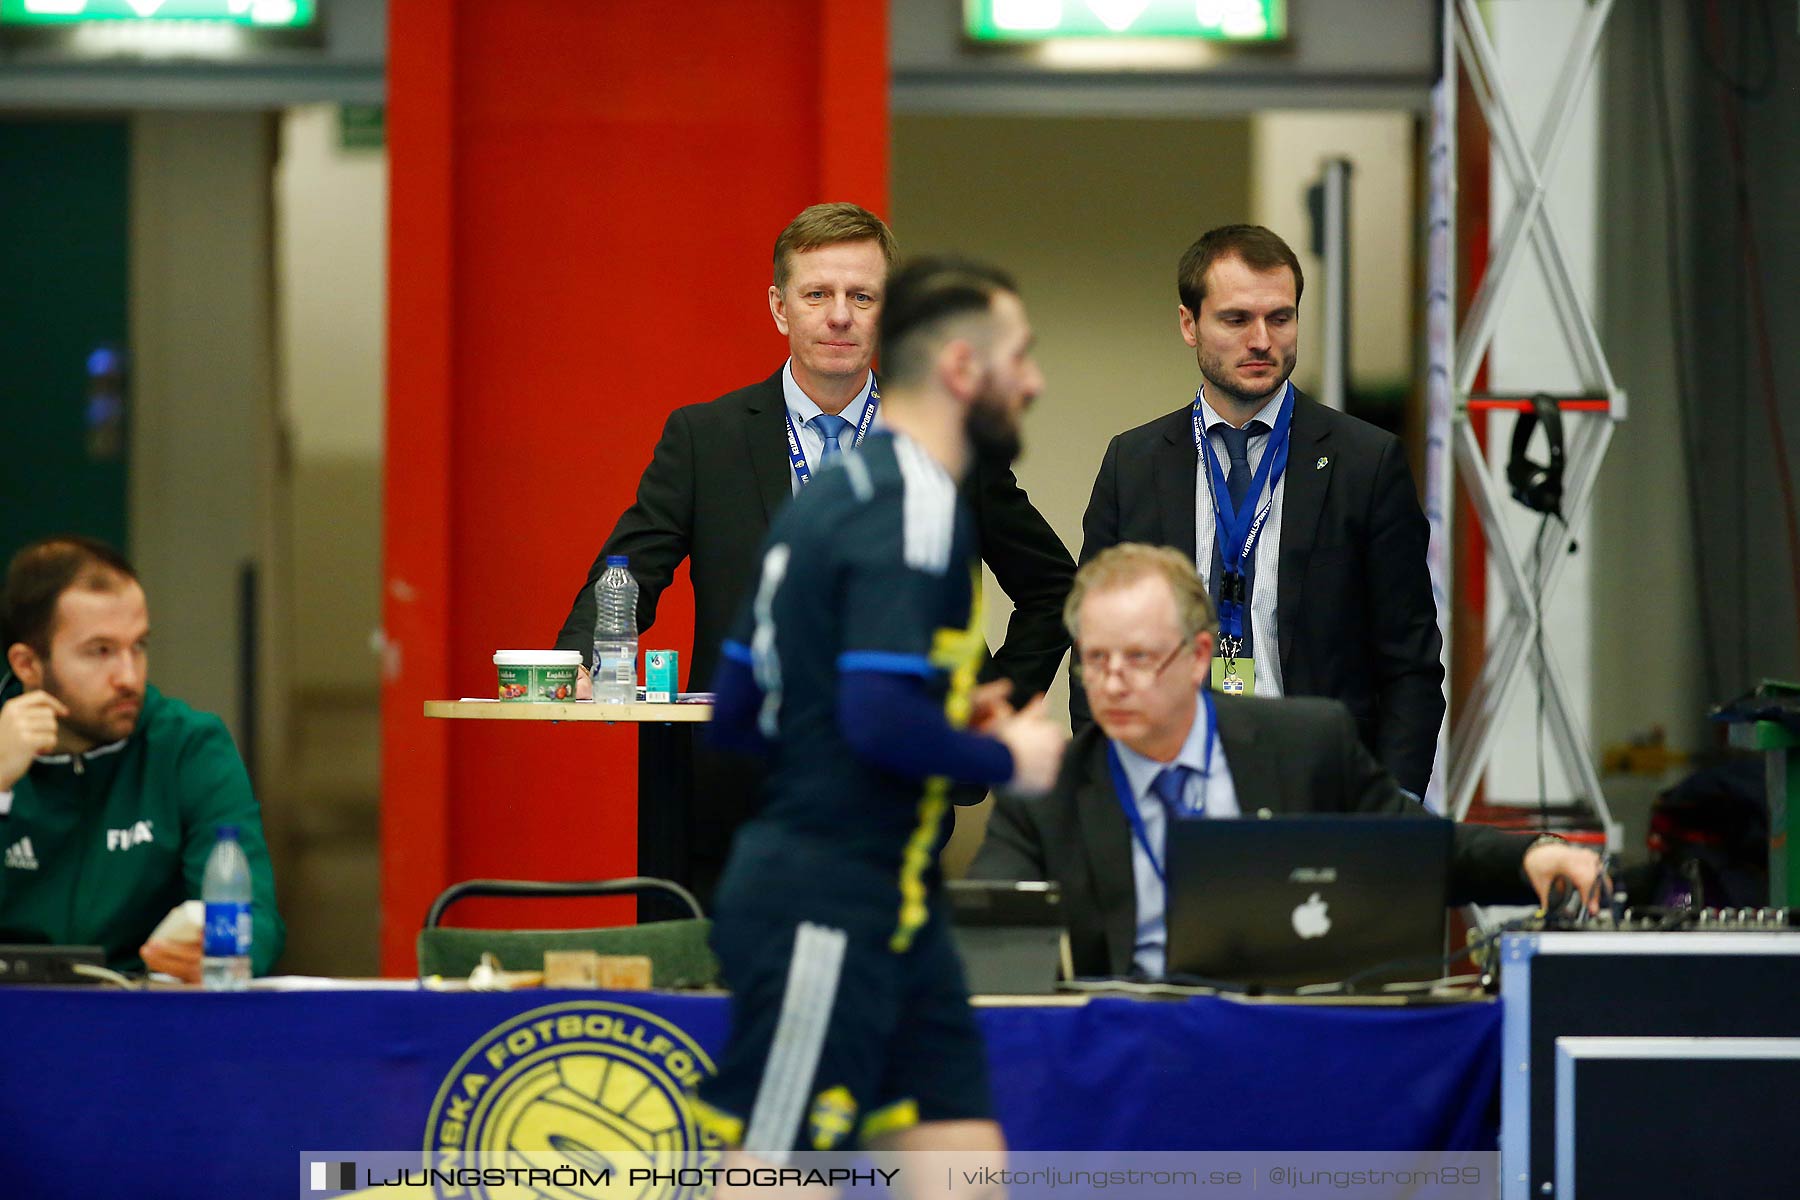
(723, 468)
(1163, 748)
(1303, 521)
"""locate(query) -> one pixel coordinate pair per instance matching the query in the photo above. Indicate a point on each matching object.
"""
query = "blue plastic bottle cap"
(618, 560)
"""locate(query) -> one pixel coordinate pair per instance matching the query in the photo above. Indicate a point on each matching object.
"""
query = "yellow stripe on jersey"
(896, 1117)
(958, 651)
(727, 1127)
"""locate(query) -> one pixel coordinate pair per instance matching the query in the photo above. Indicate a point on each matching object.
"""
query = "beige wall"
(331, 259)
(204, 458)
(1288, 151)
(331, 256)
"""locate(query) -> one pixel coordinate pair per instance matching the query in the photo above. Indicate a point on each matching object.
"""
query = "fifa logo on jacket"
(124, 839)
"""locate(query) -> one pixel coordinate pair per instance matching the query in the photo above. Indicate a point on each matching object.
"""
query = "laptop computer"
(29, 962)
(1009, 933)
(1286, 901)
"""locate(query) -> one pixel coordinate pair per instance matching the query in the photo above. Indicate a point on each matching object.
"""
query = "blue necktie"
(833, 429)
(1237, 449)
(1237, 485)
(1170, 786)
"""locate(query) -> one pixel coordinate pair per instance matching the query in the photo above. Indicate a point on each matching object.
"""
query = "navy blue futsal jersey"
(872, 566)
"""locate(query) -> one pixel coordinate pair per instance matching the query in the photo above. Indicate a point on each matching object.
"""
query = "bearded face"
(1010, 383)
(994, 431)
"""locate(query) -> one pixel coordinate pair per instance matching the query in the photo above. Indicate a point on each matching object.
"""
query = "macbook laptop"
(1286, 901)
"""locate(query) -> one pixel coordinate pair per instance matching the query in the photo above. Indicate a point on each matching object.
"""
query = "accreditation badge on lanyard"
(1235, 534)
(797, 456)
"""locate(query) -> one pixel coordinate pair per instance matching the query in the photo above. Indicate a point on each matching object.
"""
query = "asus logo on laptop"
(1313, 875)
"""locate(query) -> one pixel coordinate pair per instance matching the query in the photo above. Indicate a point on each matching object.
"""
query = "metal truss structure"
(1528, 573)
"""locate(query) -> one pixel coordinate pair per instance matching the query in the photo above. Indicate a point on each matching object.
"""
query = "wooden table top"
(567, 710)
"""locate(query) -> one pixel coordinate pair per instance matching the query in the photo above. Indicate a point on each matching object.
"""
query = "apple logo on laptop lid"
(1312, 919)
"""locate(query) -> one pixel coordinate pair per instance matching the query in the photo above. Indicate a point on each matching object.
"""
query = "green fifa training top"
(98, 847)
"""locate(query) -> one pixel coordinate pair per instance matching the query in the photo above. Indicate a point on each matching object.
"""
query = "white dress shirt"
(802, 410)
(1265, 644)
(1210, 796)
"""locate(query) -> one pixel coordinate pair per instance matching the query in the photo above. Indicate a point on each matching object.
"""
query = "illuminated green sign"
(259, 14)
(1038, 20)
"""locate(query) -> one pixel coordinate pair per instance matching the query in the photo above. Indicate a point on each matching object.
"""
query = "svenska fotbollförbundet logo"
(578, 1082)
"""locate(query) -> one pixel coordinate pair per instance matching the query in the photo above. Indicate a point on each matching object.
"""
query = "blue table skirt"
(194, 1095)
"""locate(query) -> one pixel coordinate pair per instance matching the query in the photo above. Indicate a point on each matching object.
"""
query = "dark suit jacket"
(1354, 606)
(1287, 756)
(717, 477)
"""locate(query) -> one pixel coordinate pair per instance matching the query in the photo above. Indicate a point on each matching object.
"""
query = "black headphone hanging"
(1538, 485)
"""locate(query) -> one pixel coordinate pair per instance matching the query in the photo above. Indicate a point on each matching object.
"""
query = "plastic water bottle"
(225, 957)
(615, 633)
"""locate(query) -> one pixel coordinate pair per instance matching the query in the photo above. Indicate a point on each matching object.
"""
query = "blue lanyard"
(1127, 801)
(797, 456)
(1236, 533)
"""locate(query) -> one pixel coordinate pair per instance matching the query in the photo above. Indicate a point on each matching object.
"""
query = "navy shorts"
(837, 1040)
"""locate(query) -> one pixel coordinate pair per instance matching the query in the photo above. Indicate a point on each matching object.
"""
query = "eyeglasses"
(1137, 668)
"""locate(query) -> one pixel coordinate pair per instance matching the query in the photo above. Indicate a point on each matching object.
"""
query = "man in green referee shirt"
(111, 794)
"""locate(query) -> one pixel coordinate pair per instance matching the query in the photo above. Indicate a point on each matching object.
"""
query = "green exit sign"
(1040, 20)
(256, 14)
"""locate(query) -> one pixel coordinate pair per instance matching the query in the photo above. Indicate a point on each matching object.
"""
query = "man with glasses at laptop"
(1165, 746)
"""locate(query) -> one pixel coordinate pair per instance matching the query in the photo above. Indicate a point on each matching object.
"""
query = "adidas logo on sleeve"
(20, 856)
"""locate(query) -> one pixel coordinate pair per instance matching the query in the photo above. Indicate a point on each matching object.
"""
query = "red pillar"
(583, 200)
(1468, 646)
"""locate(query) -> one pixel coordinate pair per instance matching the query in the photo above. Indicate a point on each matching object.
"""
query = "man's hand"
(991, 703)
(1582, 868)
(584, 684)
(27, 729)
(1037, 745)
(180, 959)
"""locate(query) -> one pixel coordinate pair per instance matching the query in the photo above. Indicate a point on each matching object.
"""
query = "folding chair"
(678, 951)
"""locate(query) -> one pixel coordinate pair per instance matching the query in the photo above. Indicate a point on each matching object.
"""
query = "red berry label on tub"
(515, 682)
(553, 683)
(543, 682)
